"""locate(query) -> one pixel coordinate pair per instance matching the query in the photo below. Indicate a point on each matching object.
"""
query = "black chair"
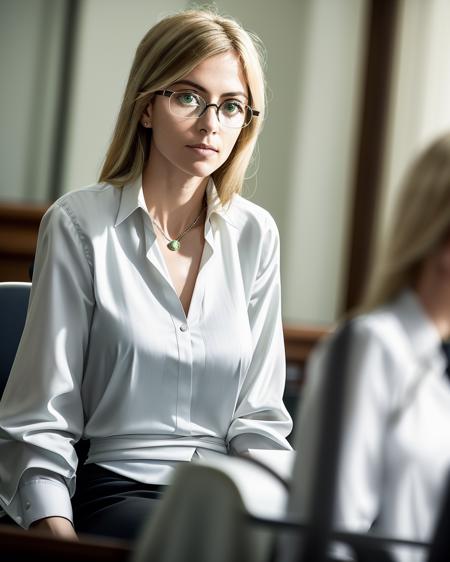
(14, 298)
(440, 546)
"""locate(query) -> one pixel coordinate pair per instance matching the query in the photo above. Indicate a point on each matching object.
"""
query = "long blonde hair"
(420, 224)
(170, 50)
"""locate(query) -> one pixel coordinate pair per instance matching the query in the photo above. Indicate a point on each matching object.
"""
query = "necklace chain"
(174, 244)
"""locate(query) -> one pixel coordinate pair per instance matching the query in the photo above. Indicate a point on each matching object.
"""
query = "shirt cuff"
(44, 496)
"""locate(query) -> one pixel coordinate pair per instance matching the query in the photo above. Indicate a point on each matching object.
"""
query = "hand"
(58, 527)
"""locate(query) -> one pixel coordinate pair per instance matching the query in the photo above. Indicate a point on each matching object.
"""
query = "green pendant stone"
(174, 245)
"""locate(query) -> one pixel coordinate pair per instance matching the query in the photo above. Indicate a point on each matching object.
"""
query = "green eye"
(233, 107)
(186, 98)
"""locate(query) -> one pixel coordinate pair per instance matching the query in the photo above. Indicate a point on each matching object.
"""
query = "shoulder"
(382, 327)
(246, 214)
(94, 200)
(360, 353)
(86, 207)
(376, 342)
(255, 226)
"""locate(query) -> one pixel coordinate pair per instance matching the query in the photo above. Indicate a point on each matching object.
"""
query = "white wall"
(109, 32)
(30, 55)
(321, 172)
(420, 104)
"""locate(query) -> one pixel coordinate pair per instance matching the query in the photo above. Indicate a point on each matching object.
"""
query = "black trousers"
(108, 504)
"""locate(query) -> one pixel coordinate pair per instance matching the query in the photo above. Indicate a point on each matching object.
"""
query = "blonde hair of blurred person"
(419, 237)
(169, 51)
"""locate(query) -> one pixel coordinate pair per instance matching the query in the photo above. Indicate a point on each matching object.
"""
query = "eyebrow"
(202, 89)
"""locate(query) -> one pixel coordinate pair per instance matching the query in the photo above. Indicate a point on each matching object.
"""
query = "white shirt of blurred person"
(395, 451)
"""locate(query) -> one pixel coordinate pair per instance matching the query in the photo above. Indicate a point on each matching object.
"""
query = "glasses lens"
(186, 104)
(234, 113)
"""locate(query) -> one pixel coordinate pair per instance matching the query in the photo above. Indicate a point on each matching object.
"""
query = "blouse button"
(27, 505)
(183, 327)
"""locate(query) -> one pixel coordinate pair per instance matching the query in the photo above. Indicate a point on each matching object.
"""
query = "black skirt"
(108, 504)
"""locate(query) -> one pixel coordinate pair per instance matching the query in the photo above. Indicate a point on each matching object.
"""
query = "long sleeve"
(261, 420)
(41, 414)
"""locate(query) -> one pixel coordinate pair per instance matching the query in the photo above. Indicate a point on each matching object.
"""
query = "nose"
(209, 119)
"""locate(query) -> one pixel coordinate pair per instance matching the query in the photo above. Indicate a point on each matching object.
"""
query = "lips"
(202, 146)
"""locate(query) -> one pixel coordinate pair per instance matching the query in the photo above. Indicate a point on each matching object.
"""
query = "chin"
(201, 171)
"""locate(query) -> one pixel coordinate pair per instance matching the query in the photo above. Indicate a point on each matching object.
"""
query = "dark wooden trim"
(382, 31)
(19, 225)
(17, 545)
(299, 340)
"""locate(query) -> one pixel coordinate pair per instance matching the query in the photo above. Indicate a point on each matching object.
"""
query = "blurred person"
(395, 445)
(154, 325)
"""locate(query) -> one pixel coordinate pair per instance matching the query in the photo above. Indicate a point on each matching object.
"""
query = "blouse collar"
(132, 198)
(422, 332)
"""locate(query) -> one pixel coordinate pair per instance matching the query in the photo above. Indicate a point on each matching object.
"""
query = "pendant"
(174, 245)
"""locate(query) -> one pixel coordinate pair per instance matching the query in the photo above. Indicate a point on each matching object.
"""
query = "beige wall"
(420, 104)
(109, 33)
(30, 36)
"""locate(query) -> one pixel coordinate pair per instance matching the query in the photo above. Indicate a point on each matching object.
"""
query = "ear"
(146, 117)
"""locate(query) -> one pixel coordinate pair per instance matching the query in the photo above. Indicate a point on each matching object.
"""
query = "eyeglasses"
(230, 113)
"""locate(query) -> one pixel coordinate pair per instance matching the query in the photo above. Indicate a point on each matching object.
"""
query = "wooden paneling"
(299, 340)
(19, 226)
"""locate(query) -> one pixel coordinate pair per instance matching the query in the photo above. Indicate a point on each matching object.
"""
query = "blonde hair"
(170, 50)
(420, 224)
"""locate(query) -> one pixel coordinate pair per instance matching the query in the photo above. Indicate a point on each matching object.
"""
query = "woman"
(396, 435)
(154, 326)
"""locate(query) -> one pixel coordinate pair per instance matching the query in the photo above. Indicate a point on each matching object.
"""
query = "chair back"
(14, 298)
(440, 547)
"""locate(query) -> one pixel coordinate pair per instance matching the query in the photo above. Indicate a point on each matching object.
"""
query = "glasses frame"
(169, 94)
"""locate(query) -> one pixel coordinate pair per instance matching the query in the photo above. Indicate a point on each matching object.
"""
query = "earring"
(146, 124)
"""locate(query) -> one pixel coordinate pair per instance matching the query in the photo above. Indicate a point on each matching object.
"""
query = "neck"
(434, 295)
(174, 200)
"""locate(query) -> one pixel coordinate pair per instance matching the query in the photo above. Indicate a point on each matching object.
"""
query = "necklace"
(175, 243)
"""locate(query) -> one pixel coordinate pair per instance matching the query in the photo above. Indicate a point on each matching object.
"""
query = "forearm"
(58, 527)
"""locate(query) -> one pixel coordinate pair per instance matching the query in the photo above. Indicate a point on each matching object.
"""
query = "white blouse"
(108, 353)
(396, 437)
